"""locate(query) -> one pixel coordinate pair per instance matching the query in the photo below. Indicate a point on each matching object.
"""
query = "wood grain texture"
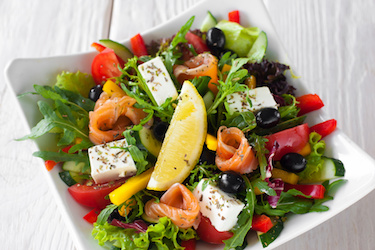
(330, 44)
(29, 216)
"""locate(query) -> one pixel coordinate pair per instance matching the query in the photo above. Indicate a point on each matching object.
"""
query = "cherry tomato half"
(105, 66)
(290, 140)
(94, 195)
(208, 233)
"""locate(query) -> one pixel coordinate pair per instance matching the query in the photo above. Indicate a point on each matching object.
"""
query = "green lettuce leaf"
(77, 82)
(238, 38)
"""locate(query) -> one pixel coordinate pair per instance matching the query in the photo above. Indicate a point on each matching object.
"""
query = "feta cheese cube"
(158, 80)
(221, 208)
(260, 98)
(109, 162)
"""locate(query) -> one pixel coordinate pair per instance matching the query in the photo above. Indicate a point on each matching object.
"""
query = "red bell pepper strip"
(138, 46)
(308, 103)
(49, 164)
(92, 216)
(324, 128)
(234, 16)
(261, 223)
(66, 149)
(289, 140)
(316, 191)
(98, 47)
(189, 244)
(197, 42)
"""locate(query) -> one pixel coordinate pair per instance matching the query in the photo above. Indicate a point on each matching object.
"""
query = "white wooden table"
(331, 44)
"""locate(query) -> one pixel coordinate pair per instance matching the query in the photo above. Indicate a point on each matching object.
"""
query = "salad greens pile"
(66, 107)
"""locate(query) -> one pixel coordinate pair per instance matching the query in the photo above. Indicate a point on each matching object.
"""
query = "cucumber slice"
(208, 99)
(209, 22)
(67, 178)
(120, 50)
(331, 169)
(75, 167)
(267, 238)
(259, 47)
(146, 140)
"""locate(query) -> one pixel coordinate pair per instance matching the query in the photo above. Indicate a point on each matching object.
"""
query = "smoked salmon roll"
(178, 204)
(111, 116)
(234, 152)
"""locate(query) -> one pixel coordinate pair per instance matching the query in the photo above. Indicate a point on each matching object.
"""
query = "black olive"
(95, 92)
(207, 156)
(159, 130)
(215, 39)
(267, 117)
(231, 182)
(293, 162)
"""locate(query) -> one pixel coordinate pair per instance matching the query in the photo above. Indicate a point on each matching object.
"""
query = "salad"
(193, 137)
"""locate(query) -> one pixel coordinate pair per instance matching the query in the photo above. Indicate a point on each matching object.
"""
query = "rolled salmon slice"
(202, 65)
(179, 204)
(233, 151)
(111, 117)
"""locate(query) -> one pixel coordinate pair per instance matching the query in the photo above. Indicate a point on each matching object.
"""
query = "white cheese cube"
(158, 80)
(109, 163)
(221, 208)
(260, 98)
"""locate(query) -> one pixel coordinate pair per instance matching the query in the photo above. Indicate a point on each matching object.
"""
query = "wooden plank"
(330, 44)
(29, 216)
(132, 17)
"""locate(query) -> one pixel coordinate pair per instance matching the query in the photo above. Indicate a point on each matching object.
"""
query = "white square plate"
(23, 73)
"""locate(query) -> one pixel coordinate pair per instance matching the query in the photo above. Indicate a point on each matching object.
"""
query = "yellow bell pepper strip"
(225, 70)
(251, 82)
(132, 186)
(306, 150)
(125, 209)
(110, 88)
(211, 142)
(285, 176)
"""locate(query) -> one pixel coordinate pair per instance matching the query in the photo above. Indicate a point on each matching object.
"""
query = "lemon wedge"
(183, 141)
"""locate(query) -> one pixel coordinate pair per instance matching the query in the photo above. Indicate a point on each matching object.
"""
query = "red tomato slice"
(208, 233)
(94, 195)
(290, 140)
(316, 191)
(105, 66)
(189, 244)
(197, 42)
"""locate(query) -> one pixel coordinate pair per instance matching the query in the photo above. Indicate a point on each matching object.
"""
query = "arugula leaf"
(227, 58)
(202, 172)
(231, 84)
(63, 157)
(139, 156)
(171, 54)
(245, 121)
(263, 187)
(259, 145)
(245, 219)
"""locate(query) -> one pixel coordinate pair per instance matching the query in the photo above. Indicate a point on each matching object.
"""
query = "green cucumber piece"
(267, 238)
(75, 167)
(147, 141)
(259, 47)
(120, 50)
(208, 22)
(331, 169)
(67, 178)
(208, 99)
